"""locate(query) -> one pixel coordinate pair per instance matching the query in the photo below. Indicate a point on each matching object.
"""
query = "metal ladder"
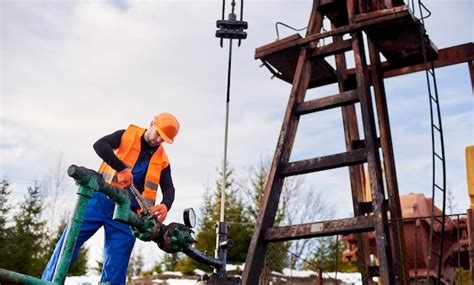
(438, 152)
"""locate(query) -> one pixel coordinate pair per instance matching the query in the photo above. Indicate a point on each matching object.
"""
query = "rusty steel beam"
(327, 2)
(353, 157)
(471, 71)
(356, 172)
(320, 229)
(320, 277)
(274, 184)
(398, 242)
(288, 42)
(470, 231)
(384, 16)
(373, 161)
(332, 48)
(370, 15)
(273, 187)
(447, 56)
(329, 102)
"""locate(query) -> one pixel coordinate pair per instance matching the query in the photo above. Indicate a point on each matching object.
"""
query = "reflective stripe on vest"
(128, 152)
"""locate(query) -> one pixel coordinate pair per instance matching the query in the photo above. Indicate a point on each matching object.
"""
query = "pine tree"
(243, 200)
(328, 256)
(298, 204)
(240, 227)
(5, 229)
(254, 187)
(27, 254)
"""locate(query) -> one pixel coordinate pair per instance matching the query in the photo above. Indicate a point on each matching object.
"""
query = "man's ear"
(151, 124)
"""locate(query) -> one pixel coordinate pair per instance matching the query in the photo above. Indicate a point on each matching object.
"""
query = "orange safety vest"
(128, 152)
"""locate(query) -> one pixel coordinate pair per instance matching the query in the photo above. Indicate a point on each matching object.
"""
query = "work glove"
(160, 211)
(125, 177)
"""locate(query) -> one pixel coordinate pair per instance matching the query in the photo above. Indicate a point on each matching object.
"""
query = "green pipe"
(145, 228)
(172, 238)
(10, 277)
(85, 194)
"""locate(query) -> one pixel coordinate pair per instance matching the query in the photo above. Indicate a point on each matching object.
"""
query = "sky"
(73, 71)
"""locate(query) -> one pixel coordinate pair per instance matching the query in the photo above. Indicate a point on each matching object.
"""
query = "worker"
(135, 155)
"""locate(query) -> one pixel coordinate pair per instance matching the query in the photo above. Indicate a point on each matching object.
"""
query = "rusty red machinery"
(416, 219)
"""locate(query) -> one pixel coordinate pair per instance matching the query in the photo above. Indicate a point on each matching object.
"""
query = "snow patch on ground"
(354, 278)
(175, 281)
(82, 280)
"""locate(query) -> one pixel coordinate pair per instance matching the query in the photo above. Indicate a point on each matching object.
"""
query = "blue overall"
(119, 239)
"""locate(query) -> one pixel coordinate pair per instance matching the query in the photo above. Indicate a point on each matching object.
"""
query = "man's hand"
(160, 211)
(125, 177)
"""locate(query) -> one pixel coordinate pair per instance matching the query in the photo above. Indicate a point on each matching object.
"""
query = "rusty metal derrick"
(393, 31)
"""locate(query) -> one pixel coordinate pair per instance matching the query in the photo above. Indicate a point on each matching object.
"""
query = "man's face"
(152, 137)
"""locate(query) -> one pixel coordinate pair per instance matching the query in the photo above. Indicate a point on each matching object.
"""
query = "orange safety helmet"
(167, 126)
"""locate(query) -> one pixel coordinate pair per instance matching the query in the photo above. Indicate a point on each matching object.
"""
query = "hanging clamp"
(231, 28)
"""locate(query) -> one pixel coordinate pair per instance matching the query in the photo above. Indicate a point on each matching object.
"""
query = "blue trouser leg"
(118, 245)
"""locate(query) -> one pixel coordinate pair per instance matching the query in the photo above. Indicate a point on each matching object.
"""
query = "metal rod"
(233, 6)
(289, 27)
(223, 9)
(337, 258)
(241, 17)
(459, 268)
(416, 253)
(224, 167)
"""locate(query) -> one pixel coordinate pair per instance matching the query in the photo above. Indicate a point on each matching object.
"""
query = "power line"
(20, 179)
